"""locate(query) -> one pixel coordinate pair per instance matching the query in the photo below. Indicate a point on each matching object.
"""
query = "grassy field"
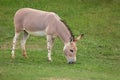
(98, 56)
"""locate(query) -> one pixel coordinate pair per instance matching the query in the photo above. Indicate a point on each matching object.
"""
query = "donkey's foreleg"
(23, 42)
(14, 44)
(50, 41)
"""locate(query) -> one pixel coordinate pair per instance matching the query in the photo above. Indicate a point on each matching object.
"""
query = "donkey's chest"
(37, 33)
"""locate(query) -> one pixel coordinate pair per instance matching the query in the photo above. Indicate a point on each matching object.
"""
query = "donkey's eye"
(71, 50)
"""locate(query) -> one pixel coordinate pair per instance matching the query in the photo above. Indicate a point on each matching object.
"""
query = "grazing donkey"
(40, 23)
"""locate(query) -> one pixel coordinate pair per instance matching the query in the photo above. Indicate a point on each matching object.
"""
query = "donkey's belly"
(37, 33)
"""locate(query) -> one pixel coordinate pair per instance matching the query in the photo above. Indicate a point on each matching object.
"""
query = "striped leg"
(23, 42)
(14, 44)
(50, 41)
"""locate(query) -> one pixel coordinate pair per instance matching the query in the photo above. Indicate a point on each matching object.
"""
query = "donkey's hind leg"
(23, 42)
(14, 44)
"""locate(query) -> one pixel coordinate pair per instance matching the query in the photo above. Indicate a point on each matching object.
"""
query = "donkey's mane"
(71, 33)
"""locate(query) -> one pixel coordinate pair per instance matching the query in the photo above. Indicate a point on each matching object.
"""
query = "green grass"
(98, 56)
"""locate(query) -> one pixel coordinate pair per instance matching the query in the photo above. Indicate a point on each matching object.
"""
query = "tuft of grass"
(98, 56)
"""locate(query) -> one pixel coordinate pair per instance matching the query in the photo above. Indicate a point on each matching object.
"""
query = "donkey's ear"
(78, 38)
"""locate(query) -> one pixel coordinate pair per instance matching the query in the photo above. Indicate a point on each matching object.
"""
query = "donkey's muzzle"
(71, 60)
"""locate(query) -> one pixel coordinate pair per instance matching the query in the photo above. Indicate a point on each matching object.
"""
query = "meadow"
(98, 56)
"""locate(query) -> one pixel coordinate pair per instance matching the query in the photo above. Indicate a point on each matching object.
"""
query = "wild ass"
(40, 23)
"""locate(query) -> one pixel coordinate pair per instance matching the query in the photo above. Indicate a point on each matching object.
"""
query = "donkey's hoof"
(49, 60)
(25, 56)
(13, 57)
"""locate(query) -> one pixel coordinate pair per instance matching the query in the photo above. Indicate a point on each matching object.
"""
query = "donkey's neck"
(63, 32)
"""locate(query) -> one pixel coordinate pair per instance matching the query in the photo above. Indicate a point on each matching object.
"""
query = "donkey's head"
(70, 49)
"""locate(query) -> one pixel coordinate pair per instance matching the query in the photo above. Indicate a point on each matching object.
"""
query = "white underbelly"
(37, 33)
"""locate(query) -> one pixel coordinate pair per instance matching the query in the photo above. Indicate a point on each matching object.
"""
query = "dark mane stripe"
(72, 36)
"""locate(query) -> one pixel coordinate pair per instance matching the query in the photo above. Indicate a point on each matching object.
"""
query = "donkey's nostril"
(71, 62)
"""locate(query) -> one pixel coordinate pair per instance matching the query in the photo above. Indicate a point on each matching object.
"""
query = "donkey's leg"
(23, 42)
(50, 41)
(14, 44)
